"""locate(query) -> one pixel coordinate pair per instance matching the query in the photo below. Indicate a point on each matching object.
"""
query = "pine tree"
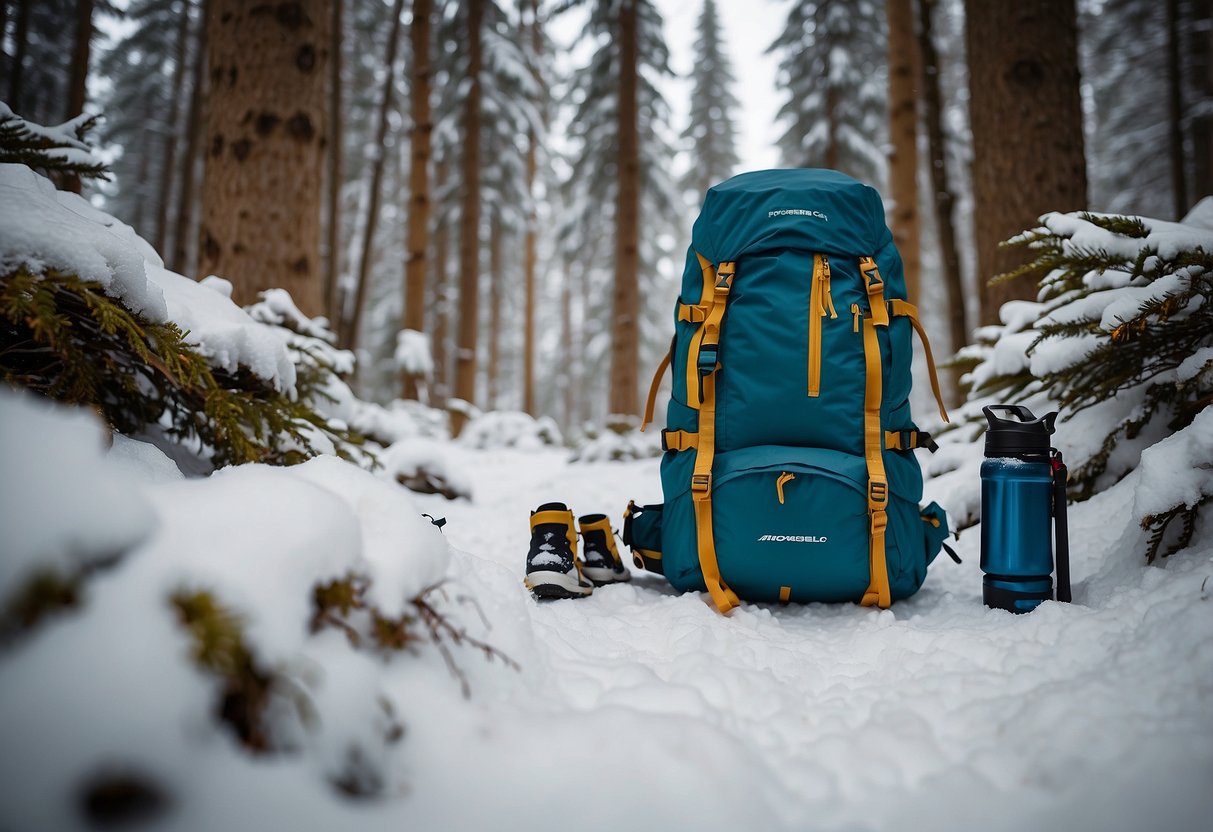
(904, 61)
(595, 194)
(833, 68)
(261, 193)
(39, 82)
(711, 134)
(420, 140)
(1026, 116)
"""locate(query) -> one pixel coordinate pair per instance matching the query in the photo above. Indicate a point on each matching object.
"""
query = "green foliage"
(65, 338)
(51, 151)
(217, 634)
(1139, 356)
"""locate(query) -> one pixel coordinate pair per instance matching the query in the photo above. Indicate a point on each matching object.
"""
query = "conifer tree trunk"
(1175, 138)
(261, 193)
(625, 334)
(419, 179)
(494, 371)
(529, 246)
(20, 44)
(831, 107)
(194, 128)
(944, 199)
(903, 136)
(168, 170)
(1026, 118)
(442, 303)
(469, 226)
(1199, 27)
(336, 164)
(77, 88)
(349, 332)
(566, 339)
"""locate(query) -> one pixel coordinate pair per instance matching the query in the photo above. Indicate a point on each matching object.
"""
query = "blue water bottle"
(1023, 504)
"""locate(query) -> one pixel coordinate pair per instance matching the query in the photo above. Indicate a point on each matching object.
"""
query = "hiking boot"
(552, 568)
(600, 559)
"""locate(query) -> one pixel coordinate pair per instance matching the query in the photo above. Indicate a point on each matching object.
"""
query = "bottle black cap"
(1025, 435)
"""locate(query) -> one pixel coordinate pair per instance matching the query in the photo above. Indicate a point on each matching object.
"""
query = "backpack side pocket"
(642, 534)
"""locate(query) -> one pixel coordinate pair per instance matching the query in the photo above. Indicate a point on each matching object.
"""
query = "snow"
(60, 511)
(1176, 470)
(511, 429)
(413, 353)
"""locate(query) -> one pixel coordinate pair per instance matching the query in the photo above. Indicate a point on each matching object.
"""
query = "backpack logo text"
(791, 538)
(797, 212)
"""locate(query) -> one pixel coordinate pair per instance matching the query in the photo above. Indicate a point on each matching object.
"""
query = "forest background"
(489, 201)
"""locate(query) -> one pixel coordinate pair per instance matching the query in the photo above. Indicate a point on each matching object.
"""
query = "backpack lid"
(812, 209)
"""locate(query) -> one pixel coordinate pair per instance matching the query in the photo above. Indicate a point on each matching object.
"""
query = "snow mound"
(422, 465)
(61, 509)
(510, 429)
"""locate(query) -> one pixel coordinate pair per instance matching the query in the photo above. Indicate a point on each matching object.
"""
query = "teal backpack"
(789, 470)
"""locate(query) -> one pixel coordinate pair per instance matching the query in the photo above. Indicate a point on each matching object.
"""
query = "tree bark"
(469, 227)
(419, 180)
(261, 193)
(194, 129)
(20, 44)
(350, 331)
(442, 304)
(532, 230)
(336, 165)
(944, 199)
(77, 89)
(625, 333)
(494, 370)
(566, 338)
(171, 138)
(903, 137)
(1026, 117)
(1175, 113)
(1199, 28)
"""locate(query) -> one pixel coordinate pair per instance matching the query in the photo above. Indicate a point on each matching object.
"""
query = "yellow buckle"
(701, 483)
(878, 494)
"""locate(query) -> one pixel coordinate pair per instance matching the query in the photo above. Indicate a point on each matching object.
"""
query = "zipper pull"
(827, 298)
(855, 312)
(784, 478)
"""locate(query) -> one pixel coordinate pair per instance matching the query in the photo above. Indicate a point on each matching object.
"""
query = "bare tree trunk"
(566, 339)
(903, 137)
(469, 224)
(945, 200)
(1199, 28)
(336, 165)
(442, 304)
(261, 194)
(21, 43)
(1026, 116)
(349, 332)
(171, 136)
(419, 180)
(625, 332)
(194, 129)
(831, 125)
(77, 88)
(495, 284)
(1175, 138)
(529, 246)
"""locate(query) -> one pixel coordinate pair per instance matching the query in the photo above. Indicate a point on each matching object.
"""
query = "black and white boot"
(552, 569)
(600, 559)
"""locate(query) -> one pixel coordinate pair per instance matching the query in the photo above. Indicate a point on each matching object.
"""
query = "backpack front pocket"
(791, 524)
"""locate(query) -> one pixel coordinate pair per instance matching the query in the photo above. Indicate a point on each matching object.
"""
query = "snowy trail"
(640, 708)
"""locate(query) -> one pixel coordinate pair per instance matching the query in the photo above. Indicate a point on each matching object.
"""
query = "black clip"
(440, 522)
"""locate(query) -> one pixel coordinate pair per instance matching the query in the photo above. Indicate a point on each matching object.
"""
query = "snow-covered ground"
(638, 708)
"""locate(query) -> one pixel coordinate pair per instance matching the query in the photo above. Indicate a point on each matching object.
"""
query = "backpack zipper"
(783, 479)
(819, 301)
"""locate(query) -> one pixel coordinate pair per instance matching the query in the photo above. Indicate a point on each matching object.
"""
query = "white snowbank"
(510, 429)
(61, 508)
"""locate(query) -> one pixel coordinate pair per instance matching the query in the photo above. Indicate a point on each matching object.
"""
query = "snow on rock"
(423, 465)
(61, 509)
(510, 429)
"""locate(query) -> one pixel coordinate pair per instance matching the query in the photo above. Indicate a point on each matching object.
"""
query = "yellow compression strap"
(901, 307)
(707, 301)
(701, 479)
(656, 383)
(878, 591)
